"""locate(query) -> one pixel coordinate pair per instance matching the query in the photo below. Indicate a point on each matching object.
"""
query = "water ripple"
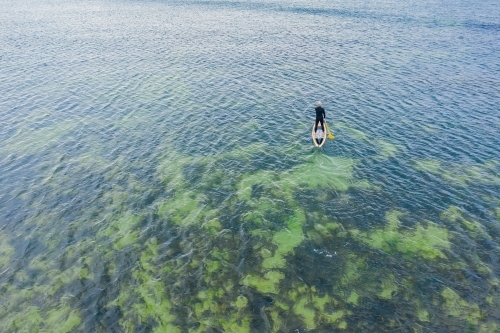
(157, 170)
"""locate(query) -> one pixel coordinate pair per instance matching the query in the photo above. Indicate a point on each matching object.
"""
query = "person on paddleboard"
(320, 115)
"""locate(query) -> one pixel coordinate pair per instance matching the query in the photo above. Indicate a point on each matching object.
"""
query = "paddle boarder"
(320, 115)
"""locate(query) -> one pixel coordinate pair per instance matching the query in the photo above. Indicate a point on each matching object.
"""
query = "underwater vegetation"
(157, 172)
(462, 174)
(238, 251)
(30, 139)
(257, 238)
(385, 149)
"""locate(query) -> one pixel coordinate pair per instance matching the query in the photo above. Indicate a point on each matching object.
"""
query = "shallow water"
(158, 174)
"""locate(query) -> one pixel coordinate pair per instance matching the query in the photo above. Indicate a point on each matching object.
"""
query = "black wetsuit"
(320, 116)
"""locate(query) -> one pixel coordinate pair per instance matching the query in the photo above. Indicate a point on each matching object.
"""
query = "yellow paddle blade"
(330, 135)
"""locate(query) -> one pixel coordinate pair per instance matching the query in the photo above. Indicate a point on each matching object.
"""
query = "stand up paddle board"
(318, 135)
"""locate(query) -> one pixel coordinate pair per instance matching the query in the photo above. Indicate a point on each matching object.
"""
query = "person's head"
(319, 103)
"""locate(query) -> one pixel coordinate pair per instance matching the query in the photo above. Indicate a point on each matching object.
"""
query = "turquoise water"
(158, 174)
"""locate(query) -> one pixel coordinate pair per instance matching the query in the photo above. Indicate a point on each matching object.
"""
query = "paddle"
(330, 135)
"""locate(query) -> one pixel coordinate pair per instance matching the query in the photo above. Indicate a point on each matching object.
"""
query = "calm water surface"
(158, 174)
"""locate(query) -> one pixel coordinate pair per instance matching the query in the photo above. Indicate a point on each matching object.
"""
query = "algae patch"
(457, 307)
(453, 214)
(387, 148)
(432, 166)
(286, 241)
(29, 141)
(268, 284)
(6, 251)
(462, 174)
(314, 309)
(423, 241)
(33, 319)
(354, 133)
(183, 210)
(121, 230)
(318, 171)
(147, 299)
(388, 287)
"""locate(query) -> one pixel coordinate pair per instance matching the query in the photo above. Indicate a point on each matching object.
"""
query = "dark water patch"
(489, 26)
(217, 196)
(257, 305)
(193, 173)
(317, 266)
(257, 191)
(110, 319)
(381, 313)
(358, 208)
